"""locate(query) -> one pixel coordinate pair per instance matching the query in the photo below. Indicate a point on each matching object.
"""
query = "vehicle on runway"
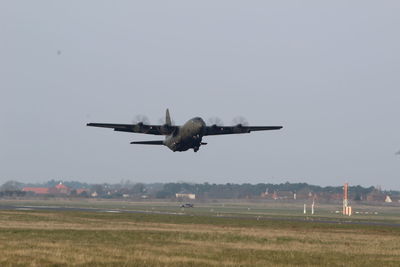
(187, 205)
(182, 138)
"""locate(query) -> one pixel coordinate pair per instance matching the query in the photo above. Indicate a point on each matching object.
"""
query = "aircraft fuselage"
(187, 136)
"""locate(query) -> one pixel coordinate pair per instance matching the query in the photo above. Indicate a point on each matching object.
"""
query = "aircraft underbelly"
(187, 138)
(188, 142)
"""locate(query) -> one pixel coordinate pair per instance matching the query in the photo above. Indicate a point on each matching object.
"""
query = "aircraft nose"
(200, 123)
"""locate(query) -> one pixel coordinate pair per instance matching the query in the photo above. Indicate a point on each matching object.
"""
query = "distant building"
(265, 194)
(278, 195)
(59, 189)
(81, 191)
(285, 195)
(303, 194)
(185, 195)
(37, 190)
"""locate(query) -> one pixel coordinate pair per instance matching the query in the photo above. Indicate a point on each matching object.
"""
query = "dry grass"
(32, 238)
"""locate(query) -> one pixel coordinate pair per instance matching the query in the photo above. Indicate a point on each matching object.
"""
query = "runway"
(220, 215)
(61, 208)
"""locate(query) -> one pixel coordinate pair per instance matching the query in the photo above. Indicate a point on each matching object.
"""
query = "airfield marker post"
(347, 210)
(312, 208)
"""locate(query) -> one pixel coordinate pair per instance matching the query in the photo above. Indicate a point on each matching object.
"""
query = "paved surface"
(61, 208)
(306, 219)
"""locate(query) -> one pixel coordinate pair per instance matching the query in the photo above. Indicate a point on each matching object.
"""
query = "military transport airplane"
(182, 138)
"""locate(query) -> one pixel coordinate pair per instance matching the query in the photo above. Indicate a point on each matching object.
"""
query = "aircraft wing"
(238, 129)
(138, 128)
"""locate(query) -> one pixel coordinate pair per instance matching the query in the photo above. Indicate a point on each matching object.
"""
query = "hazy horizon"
(130, 182)
(328, 72)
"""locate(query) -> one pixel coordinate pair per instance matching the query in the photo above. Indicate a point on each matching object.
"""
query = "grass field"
(58, 238)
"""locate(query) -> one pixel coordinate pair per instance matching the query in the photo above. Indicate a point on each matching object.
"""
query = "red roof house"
(59, 189)
(37, 190)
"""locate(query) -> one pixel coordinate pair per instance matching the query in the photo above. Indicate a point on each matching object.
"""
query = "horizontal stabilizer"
(149, 142)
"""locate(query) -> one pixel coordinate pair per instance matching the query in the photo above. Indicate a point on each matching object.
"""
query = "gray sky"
(329, 72)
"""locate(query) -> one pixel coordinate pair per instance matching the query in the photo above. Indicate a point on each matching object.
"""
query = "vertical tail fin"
(168, 118)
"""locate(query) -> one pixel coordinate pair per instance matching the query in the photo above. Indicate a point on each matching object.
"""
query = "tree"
(11, 186)
(138, 188)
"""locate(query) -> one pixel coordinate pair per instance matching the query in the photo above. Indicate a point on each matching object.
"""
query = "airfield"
(220, 233)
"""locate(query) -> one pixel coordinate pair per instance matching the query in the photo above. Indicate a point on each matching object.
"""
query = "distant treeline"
(204, 190)
(246, 190)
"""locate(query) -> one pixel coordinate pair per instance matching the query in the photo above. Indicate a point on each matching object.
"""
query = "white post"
(312, 208)
(305, 210)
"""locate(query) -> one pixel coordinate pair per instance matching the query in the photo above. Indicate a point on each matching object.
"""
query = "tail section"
(168, 118)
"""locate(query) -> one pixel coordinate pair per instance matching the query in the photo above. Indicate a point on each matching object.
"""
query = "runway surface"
(101, 210)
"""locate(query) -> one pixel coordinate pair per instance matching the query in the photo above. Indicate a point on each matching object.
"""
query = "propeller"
(142, 123)
(215, 121)
(240, 121)
(141, 119)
